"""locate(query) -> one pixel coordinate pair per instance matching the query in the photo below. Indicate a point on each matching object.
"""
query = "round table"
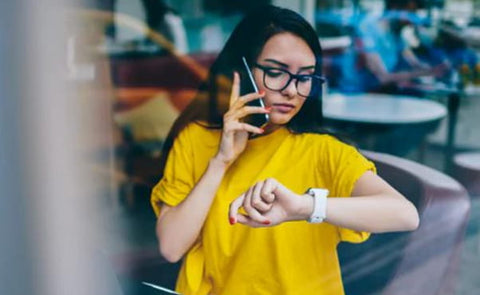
(382, 122)
(454, 94)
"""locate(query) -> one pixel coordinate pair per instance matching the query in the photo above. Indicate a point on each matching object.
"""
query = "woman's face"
(288, 52)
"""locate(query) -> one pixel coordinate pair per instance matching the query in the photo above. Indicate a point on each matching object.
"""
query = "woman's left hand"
(270, 203)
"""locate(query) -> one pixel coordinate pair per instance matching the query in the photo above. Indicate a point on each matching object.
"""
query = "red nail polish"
(266, 222)
(262, 92)
(232, 220)
(268, 109)
(262, 130)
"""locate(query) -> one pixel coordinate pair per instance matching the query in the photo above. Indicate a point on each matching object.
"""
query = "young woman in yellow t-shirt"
(236, 207)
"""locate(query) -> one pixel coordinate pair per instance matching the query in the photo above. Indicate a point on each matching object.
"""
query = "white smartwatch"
(319, 204)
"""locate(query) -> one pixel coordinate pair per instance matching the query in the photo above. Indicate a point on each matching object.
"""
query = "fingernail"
(262, 130)
(262, 92)
(232, 220)
(266, 222)
(268, 109)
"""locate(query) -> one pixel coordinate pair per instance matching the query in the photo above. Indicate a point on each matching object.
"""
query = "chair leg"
(421, 151)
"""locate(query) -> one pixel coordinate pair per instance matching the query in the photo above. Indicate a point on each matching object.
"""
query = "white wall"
(304, 7)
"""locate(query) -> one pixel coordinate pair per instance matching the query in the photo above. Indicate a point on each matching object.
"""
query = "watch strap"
(319, 204)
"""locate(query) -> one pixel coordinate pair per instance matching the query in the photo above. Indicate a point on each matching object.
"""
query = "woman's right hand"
(235, 133)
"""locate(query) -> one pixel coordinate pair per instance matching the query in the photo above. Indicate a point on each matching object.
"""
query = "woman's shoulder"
(201, 127)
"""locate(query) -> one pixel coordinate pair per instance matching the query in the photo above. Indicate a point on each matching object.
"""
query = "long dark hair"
(248, 39)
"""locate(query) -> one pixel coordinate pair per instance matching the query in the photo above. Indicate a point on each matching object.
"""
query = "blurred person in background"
(451, 45)
(235, 198)
(382, 60)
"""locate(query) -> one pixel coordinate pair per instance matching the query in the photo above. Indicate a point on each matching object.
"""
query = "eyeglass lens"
(276, 79)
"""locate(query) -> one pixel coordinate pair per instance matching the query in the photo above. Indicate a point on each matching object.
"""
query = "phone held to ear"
(247, 85)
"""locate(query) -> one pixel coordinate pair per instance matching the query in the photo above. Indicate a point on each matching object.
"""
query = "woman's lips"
(283, 107)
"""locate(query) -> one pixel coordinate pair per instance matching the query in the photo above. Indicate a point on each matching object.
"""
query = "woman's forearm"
(386, 78)
(377, 67)
(180, 226)
(376, 214)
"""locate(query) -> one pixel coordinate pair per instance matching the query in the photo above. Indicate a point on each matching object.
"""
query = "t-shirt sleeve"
(349, 167)
(178, 179)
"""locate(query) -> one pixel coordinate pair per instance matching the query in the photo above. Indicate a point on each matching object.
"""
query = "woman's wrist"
(304, 207)
(219, 163)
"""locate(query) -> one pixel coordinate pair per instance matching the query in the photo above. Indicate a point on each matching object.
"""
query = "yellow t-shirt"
(291, 258)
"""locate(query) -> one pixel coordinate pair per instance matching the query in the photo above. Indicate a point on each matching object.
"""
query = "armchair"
(422, 262)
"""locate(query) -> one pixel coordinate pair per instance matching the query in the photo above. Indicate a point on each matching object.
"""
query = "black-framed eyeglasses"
(278, 79)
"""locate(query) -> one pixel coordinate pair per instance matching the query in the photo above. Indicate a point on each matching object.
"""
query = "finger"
(238, 113)
(238, 126)
(233, 209)
(253, 213)
(235, 89)
(249, 110)
(242, 100)
(242, 219)
(267, 190)
(279, 189)
(257, 201)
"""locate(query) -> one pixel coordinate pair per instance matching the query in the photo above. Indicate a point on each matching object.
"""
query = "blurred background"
(90, 88)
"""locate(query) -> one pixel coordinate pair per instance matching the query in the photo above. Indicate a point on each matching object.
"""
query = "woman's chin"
(279, 119)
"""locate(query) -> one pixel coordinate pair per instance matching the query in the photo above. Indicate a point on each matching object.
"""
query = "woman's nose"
(291, 89)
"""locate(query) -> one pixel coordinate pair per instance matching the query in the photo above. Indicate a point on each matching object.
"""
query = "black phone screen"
(247, 85)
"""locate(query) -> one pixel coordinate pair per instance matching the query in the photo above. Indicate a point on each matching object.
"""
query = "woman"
(218, 185)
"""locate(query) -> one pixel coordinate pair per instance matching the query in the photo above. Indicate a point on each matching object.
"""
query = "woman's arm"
(377, 67)
(412, 60)
(375, 64)
(178, 227)
(374, 206)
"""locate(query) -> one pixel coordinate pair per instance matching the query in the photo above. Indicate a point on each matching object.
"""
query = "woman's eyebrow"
(283, 65)
(276, 62)
(307, 68)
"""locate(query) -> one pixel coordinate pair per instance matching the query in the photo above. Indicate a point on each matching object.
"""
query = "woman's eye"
(274, 73)
(304, 79)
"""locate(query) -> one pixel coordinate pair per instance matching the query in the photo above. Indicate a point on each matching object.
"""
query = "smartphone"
(247, 85)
